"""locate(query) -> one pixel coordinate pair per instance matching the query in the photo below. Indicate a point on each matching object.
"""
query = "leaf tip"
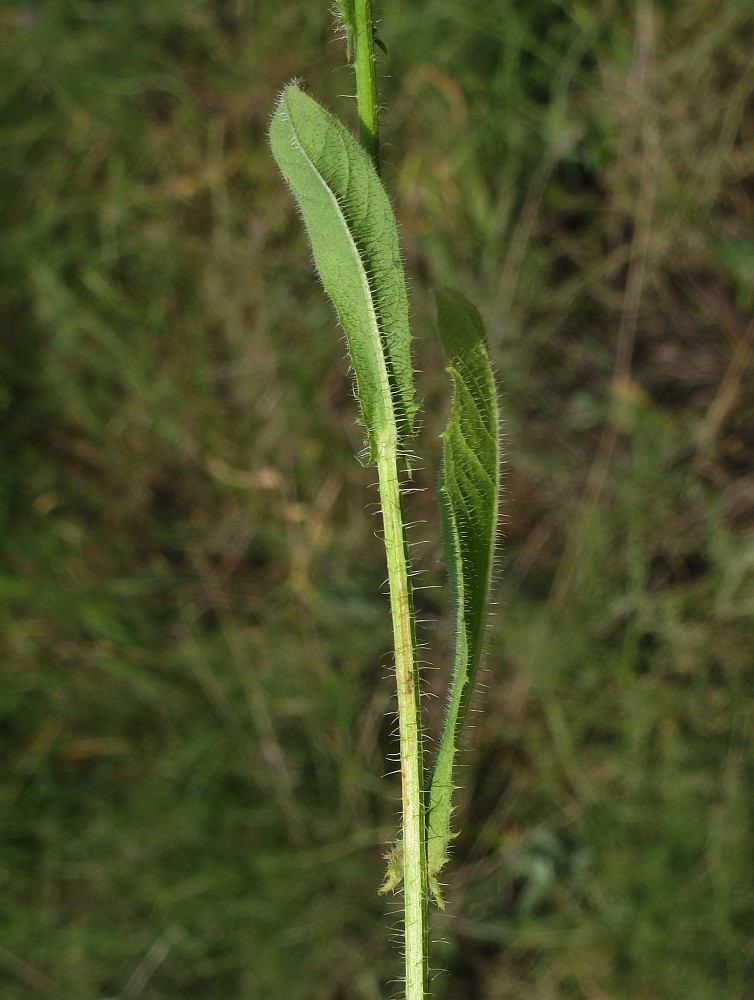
(459, 324)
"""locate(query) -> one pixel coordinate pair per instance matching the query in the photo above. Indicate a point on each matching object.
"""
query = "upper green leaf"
(354, 241)
(469, 492)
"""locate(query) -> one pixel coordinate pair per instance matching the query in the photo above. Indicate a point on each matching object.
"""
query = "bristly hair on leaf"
(469, 491)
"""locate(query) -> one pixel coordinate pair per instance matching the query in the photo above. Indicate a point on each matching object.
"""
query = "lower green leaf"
(469, 492)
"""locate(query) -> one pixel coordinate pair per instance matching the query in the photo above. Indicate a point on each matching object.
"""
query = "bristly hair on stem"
(345, 17)
(354, 20)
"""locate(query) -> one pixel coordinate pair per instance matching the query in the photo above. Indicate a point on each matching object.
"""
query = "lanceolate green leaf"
(469, 497)
(354, 241)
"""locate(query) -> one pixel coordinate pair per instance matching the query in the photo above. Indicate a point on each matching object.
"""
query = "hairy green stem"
(366, 80)
(414, 846)
(414, 842)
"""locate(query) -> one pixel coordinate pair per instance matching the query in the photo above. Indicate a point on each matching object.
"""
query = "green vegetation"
(354, 241)
(195, 701)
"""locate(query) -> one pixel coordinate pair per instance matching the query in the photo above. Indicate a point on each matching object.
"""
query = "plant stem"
(366, 80)
(409, 724)
(414, 843)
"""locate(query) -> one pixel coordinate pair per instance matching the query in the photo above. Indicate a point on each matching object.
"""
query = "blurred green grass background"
(195, 710)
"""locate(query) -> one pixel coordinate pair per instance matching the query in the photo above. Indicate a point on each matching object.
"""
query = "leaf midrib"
(391, 435)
